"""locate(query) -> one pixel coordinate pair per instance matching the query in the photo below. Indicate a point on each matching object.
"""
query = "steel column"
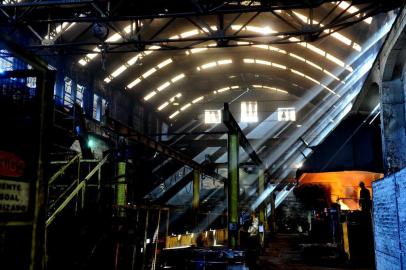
(262, 207)
(196, 190)
(233, 187)
(121, 187)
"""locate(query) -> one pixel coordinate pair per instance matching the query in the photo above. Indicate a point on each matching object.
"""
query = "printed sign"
(11, 165)
(14, 196)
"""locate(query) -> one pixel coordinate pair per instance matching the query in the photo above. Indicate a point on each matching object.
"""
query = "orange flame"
(344, 186)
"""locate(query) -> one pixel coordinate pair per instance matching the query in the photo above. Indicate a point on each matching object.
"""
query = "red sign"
(11, 165)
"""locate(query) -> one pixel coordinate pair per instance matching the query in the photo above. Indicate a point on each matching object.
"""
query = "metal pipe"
(145, 240)
(156, 240)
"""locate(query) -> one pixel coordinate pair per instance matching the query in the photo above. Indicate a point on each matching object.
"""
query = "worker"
(253, 229)
(364, 198)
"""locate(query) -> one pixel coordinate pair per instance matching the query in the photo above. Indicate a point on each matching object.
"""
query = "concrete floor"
(283, 253)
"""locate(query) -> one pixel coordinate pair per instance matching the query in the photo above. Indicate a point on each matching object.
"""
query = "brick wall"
(389, 214)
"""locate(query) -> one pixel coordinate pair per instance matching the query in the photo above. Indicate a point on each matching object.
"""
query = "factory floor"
(283, 253)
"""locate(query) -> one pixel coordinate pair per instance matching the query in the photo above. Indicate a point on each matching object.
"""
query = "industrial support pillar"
(196, 196)
(121, 188)
(272, 219)
(393, 101)
(262, 206)
(233, 189)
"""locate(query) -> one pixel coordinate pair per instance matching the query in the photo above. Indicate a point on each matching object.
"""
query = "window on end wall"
(212, 116)
(79, 95)
(249, 111)
(286, 114)
(67, 93)
(99, 107)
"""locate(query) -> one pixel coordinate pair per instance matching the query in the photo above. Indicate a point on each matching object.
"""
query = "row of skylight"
(151, 49)
(310, 63)
(344, 6)
(148, 73)
(247, 61)
(283, 67)
(58, 30)
(164, 86)
(341, 38)
(218, 91)
(323, 53)
(113, 38)
(215, 64)
(172, 100)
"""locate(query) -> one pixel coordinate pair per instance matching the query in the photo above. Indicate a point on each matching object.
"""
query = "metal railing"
(62, 170)
(80, 186)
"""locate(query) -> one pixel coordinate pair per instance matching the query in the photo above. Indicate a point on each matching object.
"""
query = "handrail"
(63, 169)
(76, 191)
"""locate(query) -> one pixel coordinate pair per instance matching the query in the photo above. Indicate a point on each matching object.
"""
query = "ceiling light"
(249, 61)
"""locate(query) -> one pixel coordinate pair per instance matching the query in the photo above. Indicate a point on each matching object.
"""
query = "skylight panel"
(174, 114)
(198, 99)
(278, 66)
(189, 33)
(160, 108)
(119, 71)
(335, 60)
(163, 86)
(185, 106)
(209, 65)
(178, 77)
(165, 63)
(225, 62)
(262, 62)
(150, 95)
(114, 38)
(134, 83)
(148, 73)
(297, 72)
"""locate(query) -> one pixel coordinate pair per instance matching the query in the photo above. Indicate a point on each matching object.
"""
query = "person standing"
(364, 198)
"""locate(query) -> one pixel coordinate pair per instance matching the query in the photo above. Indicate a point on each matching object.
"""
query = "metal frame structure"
(43, 17)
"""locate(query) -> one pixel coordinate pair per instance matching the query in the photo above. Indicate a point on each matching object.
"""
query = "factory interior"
(202, 134)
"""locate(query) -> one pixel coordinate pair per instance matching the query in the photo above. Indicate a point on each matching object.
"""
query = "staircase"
(79, 197)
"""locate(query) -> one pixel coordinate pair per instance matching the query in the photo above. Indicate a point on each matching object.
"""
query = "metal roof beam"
(233, 127)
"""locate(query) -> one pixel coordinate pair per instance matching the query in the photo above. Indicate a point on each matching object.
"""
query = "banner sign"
(14, 196)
